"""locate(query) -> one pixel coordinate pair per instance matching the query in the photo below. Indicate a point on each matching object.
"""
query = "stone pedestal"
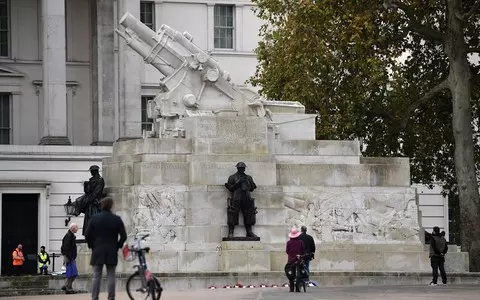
(362, 212)
(240, 239)
(244, 256)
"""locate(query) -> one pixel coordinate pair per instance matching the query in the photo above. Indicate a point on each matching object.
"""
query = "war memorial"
(176, 185)
(171, 184)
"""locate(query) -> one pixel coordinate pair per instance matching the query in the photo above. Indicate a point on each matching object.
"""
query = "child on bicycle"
(295, 249)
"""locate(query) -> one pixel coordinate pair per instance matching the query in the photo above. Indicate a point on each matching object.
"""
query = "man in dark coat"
(69, 252)
(241, 185)
(89, 203)
(309, 244)
(438, 249)
(105, 235)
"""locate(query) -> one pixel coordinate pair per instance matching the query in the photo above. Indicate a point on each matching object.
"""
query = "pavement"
(457, 292)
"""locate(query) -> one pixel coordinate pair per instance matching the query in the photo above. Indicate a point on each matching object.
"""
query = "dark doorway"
(20, 226)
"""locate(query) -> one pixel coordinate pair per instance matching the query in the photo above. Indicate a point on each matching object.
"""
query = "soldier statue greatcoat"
(241, 185)
(89, 202)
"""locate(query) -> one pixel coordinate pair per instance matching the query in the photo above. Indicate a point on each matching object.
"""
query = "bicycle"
(142, 284)
(300, 273)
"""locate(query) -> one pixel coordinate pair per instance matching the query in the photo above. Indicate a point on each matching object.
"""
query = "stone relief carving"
(356, 217)
(158, 212)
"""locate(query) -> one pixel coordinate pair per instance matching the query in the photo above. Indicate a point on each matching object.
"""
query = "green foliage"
(340, 58)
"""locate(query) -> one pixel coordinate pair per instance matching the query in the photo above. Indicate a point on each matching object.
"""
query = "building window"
(147, 124)
(147, 14)
(223, 27)
(4, 28)
(5, 116)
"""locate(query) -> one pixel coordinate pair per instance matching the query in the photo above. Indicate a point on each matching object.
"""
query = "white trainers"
(432, 284)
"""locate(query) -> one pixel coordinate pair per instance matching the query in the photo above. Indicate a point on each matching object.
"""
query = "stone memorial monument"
(171, 184)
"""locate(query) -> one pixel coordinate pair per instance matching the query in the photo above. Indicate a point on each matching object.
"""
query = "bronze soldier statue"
(89, 203)
(241, 185)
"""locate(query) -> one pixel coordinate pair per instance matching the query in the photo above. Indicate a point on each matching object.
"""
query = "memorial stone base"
(361, 211)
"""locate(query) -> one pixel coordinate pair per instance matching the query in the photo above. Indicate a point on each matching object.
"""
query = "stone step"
(317, 159)
(390, 175)
(34, 292)
(317, 148)
(152, 146)
(202, 280)
(257, 260)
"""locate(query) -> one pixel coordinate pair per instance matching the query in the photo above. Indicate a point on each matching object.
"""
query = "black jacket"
(102, 236)
(309, 244)
(438, 246)
(69, 245)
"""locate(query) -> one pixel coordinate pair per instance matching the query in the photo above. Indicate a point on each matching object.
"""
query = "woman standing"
(295, 248)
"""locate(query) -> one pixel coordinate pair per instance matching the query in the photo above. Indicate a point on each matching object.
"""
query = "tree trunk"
(460, 87)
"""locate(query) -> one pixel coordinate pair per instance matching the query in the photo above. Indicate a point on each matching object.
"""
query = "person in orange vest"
(18, 260)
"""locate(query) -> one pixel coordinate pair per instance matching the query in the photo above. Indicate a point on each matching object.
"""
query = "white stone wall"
(434, 208)
(58, 171)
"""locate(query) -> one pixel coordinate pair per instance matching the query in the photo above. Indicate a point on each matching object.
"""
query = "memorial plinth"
(362, 212)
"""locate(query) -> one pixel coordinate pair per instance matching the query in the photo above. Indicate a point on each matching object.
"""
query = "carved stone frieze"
(159, 211)
(346, 215)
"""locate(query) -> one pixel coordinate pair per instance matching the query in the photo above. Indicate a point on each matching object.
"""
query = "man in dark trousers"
(105, 235)
(438, 249)
(69, 252)
(309, 248)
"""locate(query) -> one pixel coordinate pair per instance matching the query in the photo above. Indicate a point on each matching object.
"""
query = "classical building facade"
(70, 87)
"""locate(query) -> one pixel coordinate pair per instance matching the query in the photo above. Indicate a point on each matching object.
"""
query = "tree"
(341, 59)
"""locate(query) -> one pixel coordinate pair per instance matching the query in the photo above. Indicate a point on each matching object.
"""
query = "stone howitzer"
(193, 83)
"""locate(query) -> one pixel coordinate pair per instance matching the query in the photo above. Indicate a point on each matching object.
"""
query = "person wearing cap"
(18, 260)
(241, 185)
(43, 261)
(89, 203)
(295, 248)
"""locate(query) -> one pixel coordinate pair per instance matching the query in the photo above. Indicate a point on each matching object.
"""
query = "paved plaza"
(457, 292)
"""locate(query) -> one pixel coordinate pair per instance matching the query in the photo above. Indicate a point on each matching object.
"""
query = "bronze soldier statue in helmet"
(89, 203)
(241, 185)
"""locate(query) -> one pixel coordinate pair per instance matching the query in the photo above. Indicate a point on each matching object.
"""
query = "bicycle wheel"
(136, 290)
(155, 288)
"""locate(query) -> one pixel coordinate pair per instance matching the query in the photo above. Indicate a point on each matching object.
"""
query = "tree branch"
(415, 25)
(473, 50)
(472, 11)
(440, 87)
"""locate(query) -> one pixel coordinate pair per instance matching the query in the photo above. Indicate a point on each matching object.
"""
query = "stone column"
(103, 72)
(210, 26)
(54, 74)
(238, 44)
(130, 71)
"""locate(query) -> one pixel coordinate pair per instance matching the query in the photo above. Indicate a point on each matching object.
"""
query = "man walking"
(438, 249)
(69, 252)
(105, 235)
(43, 261)
(18, 260)
(309, 244)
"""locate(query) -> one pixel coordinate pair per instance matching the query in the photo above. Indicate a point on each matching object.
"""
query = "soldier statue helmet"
(241, 185)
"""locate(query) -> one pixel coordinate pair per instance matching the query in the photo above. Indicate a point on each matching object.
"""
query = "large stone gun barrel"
(166, 48)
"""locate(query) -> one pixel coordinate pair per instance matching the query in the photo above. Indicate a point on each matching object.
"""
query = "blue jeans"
(307, 266)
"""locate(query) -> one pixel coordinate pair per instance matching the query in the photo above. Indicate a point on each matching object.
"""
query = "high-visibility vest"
(17, 256)
(43, 257)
